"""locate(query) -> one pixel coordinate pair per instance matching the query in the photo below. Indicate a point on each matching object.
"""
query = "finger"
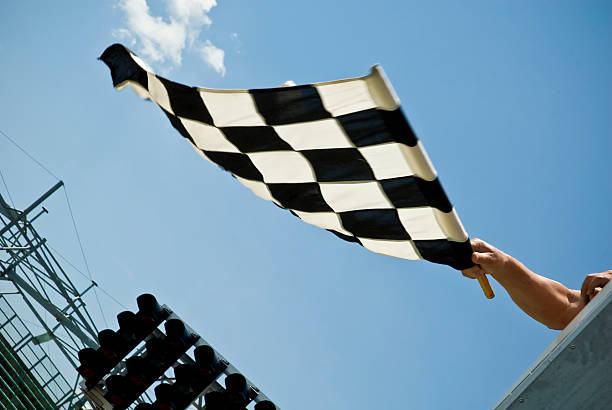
(479, 245)
(473, 272)
(584, 298)
(595, 282)
(483, 258)
(596, 291)
(585, 286)
(603, 280)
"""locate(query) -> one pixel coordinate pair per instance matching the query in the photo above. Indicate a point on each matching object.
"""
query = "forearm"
(545, 300)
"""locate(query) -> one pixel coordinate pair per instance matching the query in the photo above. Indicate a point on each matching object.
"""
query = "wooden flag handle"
(486, 286)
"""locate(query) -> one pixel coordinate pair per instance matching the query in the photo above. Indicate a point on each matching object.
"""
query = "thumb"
(480, 258)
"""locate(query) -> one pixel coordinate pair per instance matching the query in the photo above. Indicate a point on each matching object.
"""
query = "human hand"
(488, 259)
(593, 284)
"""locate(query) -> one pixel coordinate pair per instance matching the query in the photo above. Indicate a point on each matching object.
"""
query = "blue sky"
(512, 101)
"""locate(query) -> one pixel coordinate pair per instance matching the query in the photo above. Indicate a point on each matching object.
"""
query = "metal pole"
(23, 214)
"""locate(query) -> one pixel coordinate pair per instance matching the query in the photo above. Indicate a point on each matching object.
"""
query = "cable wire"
(76, 231)
(65, 259)
(7, 190)
(30, 156)
(40, 164)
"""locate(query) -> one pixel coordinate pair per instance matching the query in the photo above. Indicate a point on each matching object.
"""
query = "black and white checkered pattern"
(339, 155)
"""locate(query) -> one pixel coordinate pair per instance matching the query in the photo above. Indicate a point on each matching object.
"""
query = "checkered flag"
(339, 155)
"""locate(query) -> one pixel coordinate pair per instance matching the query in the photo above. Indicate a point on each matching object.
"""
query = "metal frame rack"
(96, 394)
(44, 324)
(34, 282)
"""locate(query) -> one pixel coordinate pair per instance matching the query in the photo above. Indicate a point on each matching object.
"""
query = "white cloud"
(214, 57)
(124, 35)
(163, 40)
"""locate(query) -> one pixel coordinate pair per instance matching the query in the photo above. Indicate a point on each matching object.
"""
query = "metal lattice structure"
(44, 323)
(38, 368)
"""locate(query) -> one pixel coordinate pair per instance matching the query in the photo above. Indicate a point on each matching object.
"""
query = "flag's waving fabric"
(339, 155)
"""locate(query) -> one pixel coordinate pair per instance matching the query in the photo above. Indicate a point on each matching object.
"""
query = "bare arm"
(545, 300)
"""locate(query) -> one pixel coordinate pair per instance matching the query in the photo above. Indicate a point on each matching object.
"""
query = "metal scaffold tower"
(38, 357)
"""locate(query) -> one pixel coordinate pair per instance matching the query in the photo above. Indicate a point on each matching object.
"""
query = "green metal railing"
(18, 389)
